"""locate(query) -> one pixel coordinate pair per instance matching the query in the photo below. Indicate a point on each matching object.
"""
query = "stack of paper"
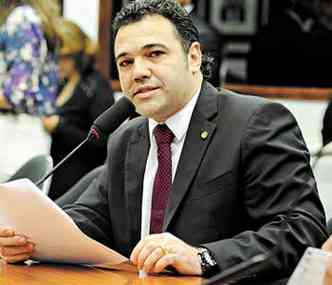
(30, 213)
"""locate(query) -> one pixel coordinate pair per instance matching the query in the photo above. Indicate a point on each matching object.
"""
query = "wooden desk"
(42, 274)
(278, 92)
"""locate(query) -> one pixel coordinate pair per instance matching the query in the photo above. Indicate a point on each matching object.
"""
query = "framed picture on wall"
(234, 17)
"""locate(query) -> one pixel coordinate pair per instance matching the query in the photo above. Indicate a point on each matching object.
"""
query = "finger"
(13, 241)
(152, 259)
(146, 251)
(16, 250)
(6, 232)
(18, 258)
(166, 260)
(154, 237)
(135, 253)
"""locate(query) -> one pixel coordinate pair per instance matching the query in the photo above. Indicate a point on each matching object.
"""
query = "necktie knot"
(163, 134)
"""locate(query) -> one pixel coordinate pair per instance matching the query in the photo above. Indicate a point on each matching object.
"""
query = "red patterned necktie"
(163, 178)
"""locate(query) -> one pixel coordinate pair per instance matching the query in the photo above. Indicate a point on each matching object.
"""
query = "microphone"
(111, 119)
(105, 124)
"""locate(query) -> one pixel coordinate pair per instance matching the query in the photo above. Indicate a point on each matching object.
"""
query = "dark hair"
(136, 10)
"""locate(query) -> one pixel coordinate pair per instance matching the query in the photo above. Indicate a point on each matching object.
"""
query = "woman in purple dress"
(28, 79)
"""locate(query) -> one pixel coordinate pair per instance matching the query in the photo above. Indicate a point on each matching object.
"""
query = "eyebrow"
(148, 46)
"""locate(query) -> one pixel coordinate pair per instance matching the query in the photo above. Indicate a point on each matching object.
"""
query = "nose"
(141, 70)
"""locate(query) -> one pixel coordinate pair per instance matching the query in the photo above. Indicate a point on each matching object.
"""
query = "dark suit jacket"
(231, 190)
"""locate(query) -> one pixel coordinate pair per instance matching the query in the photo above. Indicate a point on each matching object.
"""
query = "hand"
(155, 252)
(50, 123)
(327, 246)
(14, 248)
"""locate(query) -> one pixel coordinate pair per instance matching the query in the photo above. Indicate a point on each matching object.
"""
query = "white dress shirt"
(178, 124)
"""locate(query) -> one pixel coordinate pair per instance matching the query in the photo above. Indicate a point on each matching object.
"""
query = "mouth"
(144, 91)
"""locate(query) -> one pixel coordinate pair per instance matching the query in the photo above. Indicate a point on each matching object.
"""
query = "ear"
(195, 57)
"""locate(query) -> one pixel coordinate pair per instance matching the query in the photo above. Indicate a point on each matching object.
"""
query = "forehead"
(151, 30)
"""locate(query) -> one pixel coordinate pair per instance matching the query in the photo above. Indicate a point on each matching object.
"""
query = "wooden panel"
(104, 37)
(294, 93)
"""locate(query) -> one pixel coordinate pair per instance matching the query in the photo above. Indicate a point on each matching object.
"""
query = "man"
(230, 179)
(210, 41)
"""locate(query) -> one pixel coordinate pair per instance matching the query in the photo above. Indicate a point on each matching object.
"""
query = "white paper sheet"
(311, 267)
(31, 213)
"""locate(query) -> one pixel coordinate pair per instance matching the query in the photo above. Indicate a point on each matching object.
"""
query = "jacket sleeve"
(279, 192)
(90, 212)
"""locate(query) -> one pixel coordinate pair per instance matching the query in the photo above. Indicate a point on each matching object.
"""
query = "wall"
(84, 13)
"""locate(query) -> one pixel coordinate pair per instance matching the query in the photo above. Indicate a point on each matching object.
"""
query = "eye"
(125, 62)
(156, 53)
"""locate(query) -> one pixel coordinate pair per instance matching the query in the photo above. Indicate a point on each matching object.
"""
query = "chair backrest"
(329, 226)
(79, 187)
(35, 169)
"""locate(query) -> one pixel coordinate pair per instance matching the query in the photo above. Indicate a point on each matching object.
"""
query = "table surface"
(50, 274)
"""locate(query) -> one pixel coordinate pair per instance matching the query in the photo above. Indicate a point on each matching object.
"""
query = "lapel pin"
(204, 135)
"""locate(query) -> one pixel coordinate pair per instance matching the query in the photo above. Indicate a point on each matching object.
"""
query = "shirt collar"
(179, 122)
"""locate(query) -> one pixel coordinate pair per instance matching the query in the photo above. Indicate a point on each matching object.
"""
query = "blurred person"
(83, 95)
(293, 49)
(325, 11)
(28, 79)
(203, 180)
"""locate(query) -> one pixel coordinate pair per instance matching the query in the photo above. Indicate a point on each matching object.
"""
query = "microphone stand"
(106, 123)
(39, 182)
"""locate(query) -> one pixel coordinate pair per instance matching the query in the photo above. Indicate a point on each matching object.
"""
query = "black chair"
(79, 187)
(35, 169)
(329, 226)
(326, 136)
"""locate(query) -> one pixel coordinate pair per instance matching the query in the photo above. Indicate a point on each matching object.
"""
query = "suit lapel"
(134, 170)
(194, 148)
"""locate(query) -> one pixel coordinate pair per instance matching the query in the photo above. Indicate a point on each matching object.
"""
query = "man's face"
(155, 72)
